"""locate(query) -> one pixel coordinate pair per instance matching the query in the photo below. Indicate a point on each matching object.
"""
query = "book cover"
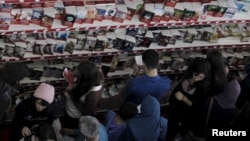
(59, 47)
(118, 43)
(47, 21)
(100, 13)
(119, 16)
(146, 16)
(90, 43)
(19, 51)
(73, 34)
(132, 31)
(188, 37)
(100, 45)
(37, 49)
(142, 31)
(69, 46)
(142, 42)
(37, 15)
(177, 15)
(114, 63)
(62, 35)
(206, 36)
(80, 43)
(164, 41)
(69, 20)
(128, 46)
(49, 49)
(220, 12)
(69, 76)
(188, 15)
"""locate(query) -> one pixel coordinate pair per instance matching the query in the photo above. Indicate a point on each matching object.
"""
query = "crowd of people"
(206, 97)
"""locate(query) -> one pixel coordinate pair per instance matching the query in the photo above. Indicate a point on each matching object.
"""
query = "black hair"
(45, 132)
(198, 66)
(88, 76)
(50, 108)
(150, 58)
(127, 110)
(218, 75)
(43, 102)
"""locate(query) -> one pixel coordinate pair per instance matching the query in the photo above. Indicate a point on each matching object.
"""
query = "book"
(19, 51)
(60, 46)
(80, 43)
(127, 46)
(142, 42)
(114, 64)
(188, 37)
(62, 35)
(90, 43)
(69, 46)
(49, 49)
(69, 76)
(37, 49)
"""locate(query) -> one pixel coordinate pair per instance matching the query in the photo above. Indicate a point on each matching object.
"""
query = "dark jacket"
(27, 115)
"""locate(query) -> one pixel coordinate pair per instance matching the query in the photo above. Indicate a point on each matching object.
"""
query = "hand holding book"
(69, 76)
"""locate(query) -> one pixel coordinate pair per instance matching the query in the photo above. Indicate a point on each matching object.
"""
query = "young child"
(33, 111)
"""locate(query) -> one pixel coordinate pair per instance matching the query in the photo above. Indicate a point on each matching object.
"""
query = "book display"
(52, 36)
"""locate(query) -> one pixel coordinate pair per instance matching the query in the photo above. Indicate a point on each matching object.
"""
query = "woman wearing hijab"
(147, 125)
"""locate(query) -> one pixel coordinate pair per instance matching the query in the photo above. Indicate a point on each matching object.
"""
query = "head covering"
(146, 124)
(45, 92)
(228, 97)
(89, 126)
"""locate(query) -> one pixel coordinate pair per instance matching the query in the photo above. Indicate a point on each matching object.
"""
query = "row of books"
(49, 43)
(128, 64)
(118, 12)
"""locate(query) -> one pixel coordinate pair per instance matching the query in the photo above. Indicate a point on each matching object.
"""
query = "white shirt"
(72, 110)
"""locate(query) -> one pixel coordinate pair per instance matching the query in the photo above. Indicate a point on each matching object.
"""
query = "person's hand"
(69, 87)
(26, 131)
(179, 95)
